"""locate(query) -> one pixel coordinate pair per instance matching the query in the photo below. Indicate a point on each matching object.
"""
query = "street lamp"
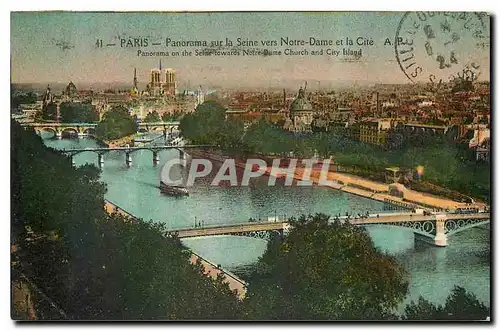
(420, 171)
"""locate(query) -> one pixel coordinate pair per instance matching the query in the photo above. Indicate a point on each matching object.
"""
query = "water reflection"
(433, 271)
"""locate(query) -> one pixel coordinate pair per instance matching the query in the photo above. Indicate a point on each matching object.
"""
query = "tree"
(95, 265)
(24, 98)
(75, 112)
(205, 125)
(167, 117)
(115, 124)
(49, 112)
(319, 271)
(231, 135)
(152, 117)
(265, 138)
(460, 305)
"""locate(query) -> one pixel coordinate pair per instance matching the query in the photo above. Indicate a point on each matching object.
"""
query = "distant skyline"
(61, 47)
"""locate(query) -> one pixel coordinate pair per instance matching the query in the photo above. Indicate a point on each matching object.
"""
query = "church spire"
(135, 78)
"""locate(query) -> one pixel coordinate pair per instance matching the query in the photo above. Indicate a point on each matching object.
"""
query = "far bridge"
(434, 229)
(83, 129)
(79, 129)
(165, 127)
(155, 149)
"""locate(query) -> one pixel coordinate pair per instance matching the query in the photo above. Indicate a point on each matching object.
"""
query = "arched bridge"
(262, 230)
(80, 129)
(129, 150)
(434, 228)
(158, 126)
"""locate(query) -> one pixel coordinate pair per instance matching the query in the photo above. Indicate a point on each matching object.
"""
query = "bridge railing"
(246, 224)
(48, 124)
(158, 123)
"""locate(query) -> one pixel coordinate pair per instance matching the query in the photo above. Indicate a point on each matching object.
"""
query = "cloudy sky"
(61, 46)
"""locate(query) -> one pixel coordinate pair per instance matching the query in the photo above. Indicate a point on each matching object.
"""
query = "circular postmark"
(443, 46)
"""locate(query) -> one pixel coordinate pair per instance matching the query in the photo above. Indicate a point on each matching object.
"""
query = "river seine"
(433, 271)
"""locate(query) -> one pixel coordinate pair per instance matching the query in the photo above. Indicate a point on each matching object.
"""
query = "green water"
(433, 271)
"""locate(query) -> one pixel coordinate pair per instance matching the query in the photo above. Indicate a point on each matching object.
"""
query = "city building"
(200, 97)
(162, 82)
(301, 112)
(48, 97)
(343, 114)
(70, 90)
(248, 117)
(345, 129)
(481, 133)
(436, 130)
(483, 150)
(375, 104)
(374, 131)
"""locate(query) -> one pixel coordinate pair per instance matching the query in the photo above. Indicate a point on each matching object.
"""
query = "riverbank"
(363, 187)
(127, 140)
(210, 269)
(380, 192)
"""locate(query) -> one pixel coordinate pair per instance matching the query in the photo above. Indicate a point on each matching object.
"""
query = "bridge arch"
(69, 129)
(39, 131)
(88, 131)
(453, 227)
(262, 234)
(410, 226)
(84, 151)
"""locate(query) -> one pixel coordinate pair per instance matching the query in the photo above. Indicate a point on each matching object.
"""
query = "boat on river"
(172, 181)
(173, 190)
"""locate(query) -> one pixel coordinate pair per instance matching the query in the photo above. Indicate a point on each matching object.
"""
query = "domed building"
(70, 89)
(301, 112)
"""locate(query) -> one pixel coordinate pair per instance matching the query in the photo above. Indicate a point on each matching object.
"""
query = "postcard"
(250, 166)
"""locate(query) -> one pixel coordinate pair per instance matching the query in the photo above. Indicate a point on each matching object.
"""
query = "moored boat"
(173, 190)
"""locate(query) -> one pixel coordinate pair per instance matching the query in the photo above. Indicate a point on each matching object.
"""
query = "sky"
(38, 54)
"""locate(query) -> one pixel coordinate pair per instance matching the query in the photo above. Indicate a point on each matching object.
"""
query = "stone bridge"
(82, 129)
(164, 127)
(155, 149)
(79, 129)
